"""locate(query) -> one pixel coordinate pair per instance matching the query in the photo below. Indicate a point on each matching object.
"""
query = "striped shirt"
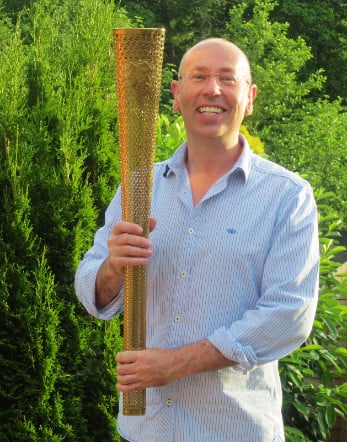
(240, 269)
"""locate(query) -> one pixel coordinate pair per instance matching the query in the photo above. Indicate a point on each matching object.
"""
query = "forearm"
(197, 358)
(158, 367)
(107, 285)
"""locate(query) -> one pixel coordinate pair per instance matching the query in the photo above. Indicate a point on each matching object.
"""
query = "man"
(232, 269)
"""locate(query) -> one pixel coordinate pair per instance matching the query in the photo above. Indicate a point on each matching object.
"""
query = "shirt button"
(169, 402)
(190, 230)
(177, 318)
(183, 274)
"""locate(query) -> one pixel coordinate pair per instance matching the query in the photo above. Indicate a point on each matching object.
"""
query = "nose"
(212, 86)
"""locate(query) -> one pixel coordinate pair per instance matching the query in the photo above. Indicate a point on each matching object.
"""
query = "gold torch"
(139, 58)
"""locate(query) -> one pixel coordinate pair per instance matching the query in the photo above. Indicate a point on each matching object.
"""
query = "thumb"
(152, 224)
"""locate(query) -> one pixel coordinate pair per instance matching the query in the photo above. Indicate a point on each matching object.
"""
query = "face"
(213, 106)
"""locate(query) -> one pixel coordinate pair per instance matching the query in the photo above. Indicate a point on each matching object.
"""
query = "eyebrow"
(204, 68)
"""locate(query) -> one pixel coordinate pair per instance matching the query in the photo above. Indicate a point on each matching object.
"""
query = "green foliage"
(30, 335)
(58, 171)
(170, 135)
(186, 22)
(313, 141)
(168, 74)
(323, 25)
(13, 85)
(254, 142)
(276, 61)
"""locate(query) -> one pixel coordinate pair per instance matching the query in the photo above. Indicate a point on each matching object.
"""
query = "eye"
(198, 78)
(228, 80)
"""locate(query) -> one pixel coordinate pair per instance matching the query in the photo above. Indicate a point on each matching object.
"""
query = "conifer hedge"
(58, 170)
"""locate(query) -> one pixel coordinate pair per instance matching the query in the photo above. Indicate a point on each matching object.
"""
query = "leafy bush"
(276, 60)
(313, 141)
(172, 134)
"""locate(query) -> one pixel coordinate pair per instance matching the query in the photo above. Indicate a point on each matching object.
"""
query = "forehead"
(214, 56)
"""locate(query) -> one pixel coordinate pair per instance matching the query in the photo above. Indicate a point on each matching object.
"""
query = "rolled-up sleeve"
(87, 270)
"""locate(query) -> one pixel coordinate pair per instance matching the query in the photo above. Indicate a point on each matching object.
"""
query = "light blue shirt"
(240, 269)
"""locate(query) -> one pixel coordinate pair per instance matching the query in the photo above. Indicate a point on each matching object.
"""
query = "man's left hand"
(142, 369)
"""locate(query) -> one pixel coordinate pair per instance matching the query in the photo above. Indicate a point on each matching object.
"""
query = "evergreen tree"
(276, 60)
(29, 328)
(58, 171)
(323, 25)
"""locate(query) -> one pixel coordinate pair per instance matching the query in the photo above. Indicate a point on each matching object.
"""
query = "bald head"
(240, 57)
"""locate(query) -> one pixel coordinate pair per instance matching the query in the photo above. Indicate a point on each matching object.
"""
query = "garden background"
(59, 169)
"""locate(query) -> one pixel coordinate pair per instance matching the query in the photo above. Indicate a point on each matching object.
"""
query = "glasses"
(222, 79)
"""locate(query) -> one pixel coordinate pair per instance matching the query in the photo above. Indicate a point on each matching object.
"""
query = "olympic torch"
(138, 59)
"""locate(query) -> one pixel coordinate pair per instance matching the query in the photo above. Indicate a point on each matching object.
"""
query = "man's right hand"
(126, 247)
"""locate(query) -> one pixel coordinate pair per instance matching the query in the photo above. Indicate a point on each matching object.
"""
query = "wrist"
(197, 358)
(108, 283)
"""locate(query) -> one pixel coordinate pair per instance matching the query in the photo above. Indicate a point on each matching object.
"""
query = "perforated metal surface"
(139, 58)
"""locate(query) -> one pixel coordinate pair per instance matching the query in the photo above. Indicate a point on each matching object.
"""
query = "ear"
(252, 93)
(175, 92)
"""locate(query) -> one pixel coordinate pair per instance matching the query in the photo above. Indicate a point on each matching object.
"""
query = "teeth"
(210, 110)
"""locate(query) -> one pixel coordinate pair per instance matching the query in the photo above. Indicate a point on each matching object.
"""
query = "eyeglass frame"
(206, 78)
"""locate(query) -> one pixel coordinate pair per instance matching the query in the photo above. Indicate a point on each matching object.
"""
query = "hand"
(142, 369)
(127, 246)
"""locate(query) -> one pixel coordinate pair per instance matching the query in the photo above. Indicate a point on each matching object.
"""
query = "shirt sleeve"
(88, 268)
(283, 316)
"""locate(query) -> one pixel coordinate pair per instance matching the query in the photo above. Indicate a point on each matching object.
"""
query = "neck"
(213, 158)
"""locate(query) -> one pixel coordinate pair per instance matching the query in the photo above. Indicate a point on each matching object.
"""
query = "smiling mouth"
(209, 110)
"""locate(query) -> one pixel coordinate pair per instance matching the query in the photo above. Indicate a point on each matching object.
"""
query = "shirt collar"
(177, 163)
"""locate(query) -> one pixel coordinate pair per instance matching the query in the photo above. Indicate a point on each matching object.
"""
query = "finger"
(126, 379)
(127, 388)
(128, 234)
(127, 227)
(129, 245)
(126, 357)
(132, 249)
(117, 262)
